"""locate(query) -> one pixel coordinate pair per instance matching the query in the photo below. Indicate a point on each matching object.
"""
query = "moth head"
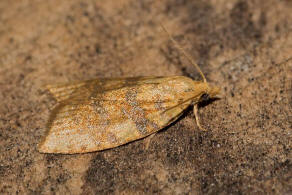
(209, 92)
(213, 91)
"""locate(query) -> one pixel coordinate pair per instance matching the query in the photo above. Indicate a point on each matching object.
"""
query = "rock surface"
(243, 46)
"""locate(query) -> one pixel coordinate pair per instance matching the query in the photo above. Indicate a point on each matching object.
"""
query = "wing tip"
(45, 147)
(42, 148)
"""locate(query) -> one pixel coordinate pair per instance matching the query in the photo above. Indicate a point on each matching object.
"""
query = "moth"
(99, 114)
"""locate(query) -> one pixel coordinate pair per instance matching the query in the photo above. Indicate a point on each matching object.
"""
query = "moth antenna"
(184, 53)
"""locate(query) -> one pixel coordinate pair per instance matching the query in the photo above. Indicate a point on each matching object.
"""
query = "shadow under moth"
(105, 113)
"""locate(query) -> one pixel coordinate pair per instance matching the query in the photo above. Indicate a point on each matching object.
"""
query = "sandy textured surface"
(243, 46)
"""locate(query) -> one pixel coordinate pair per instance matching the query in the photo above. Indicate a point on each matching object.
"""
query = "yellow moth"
(99, 114)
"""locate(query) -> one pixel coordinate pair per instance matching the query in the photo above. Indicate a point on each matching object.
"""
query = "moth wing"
(122, 111)
(62, 92)
(86, 89)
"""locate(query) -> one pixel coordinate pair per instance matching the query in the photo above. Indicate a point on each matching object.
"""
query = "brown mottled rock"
(243, 46)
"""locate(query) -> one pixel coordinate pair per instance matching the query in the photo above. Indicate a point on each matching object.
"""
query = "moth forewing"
(115, 116)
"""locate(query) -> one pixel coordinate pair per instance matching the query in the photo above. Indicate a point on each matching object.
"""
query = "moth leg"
(148, 140)
(197, 118)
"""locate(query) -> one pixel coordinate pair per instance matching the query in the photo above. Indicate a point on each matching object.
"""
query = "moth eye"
(204, 97)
